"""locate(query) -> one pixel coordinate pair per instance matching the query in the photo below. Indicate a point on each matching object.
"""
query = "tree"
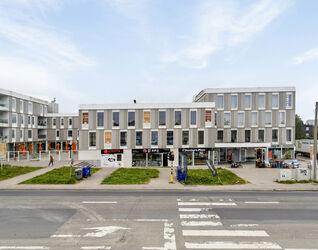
(299, 125)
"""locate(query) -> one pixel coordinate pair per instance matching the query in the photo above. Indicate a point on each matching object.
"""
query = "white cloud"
(223, 24)
(308, 56)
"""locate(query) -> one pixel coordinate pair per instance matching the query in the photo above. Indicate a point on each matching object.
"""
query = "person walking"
(51, 161)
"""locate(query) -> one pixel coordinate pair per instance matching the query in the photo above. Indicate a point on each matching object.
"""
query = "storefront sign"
(150, 150)
(107, 139)
(111, 151)
(186, 150)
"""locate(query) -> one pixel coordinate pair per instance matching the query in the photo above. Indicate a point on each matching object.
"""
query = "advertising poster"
(110, 160)
(3, 150)
(107, 139)
(208, 118)
(146, 119)
(85, 120)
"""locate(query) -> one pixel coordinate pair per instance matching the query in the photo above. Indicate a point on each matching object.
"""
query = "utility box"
(78, 174)
(284, 174)
(302, 174)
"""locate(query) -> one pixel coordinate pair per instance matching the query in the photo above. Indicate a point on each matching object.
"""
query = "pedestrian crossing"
(202, 228)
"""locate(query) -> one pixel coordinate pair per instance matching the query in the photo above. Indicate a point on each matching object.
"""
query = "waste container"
(86, 171)
(182, 173)
(78, 174)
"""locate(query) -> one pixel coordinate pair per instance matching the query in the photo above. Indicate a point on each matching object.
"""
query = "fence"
(61, 155)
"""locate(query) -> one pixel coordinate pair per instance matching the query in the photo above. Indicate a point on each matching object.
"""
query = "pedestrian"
(51, 161)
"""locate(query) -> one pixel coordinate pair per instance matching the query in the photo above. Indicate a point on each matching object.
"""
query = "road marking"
(244, 225)
(193, 209)
(232, 245)
(199, 216)
(262, 202)
(24, 247)
(95, 247)
(200, 223)
(151, 220)
(103, 231)
(206, 204)
(231, 233)
(99, 202)
(169, 237)
(65, 236)
(300, 249)
(154, 248)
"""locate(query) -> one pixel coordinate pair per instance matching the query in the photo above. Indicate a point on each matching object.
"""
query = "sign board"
(3, 150)
(311, 151)
(146, 119)
(189, 150)
(150, 150)
(107, 139)
(111, 151)
(110, 160)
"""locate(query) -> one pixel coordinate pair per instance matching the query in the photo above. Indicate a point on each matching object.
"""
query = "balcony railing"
(4, 107)
(42, 136)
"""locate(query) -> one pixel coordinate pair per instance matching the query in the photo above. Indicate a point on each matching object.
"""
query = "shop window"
(119, 157)
(247, 135)
(154, 160)
(162, 118)
(233, 135)
(138, 138)
(115, 118)
(139, 160)
(154, 138)
(123, 138)
(201, 137)
(92, 139)
(177, 117)
(185, 137)
(261, 135)
(131, 119)
(170, 138)
(275, 135)
(200, 157)
(220, 136)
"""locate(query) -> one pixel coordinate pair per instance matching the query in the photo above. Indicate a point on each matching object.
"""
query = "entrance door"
(165, 160)
(243, 155)
(260, 153)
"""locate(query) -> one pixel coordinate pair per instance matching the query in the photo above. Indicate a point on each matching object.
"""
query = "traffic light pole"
(171, 158)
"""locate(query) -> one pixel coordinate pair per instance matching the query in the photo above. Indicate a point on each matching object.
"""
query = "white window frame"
(292, 101)
(250, 107)
(277, 142)
(242, 125)
(100, 127)
(234, 129)
(208, 124)
(166, 134)
(29, 124)
(226, 126)
(154, 146)
(291, 136)
(30, 139)
(21, 136)
(123, 147)
(57, 137)
(264, 135)
(258, 107)
(30, 112)
(279, 124)
(254, 125)
(146, 125)
(185, 145)
(174, 118)
(13, 100)
(248, 129)
(217, 99)
(275, 94)
(199, 130)
(21, 106)
(142, 138)
(92, 131)
(16, 120)
(217, 139)
(13, 132)
(84, 126)
(162, 126)
(232, 95)
(271, 119)
(196, 118)
(131, 127)
(22, 120)
(117, 127)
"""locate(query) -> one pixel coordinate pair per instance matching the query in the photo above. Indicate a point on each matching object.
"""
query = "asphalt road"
(157, 220)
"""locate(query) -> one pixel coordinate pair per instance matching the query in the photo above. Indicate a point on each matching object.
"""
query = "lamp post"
(315, 145)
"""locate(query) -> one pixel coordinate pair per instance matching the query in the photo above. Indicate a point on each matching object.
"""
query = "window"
(13, 133)
(215, 118)
(70, 121)
(193, 117)
(208, 117)
(248, 101)
(54, 122)
(57, 133)
(261, 135)
(92, 139)
(21, 106)
(30, 108)
(275, 135)
(138, 138)
(185, 137)
(154, 138)
(268, 118)
(22, 119)
(169, 138)
(177, 117)
(21, 134)
(33, 120)
(62, 122)
(220, 102)
(115, 118)
(41, 109)
(14, 104)
(289, 100)
(261, 101)
(254, 118)
(85, 120)
(131, 119)
(201, 137)
(282, 118)
(123, 138)
(220, 135)
(288, 135)
(233, 135)
(162, 118)
(29, 120)
(69, 133)
(247, 135)
(100, 119)
(45, 109)
(227, 119)
(275, 101)
(14, 119)
(233, 101)
(240, 119)
(29, 134)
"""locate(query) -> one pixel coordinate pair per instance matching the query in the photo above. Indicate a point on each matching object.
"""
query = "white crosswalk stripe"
(199, 216)
(200, 223)
(232, 245)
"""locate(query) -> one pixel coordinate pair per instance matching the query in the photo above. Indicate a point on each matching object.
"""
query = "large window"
(288, 135)
(100, 119)
(123, 138)
(53, 121)
(22, 119)
(92, 139)
(193, 117)
(268, 118)
(275, 101)
(30, 108)
(177, 117)
(154, 138)
(14, 104)
(21, 106)
(282, 120)
(240, 119)
(227, 119)
(57, 133)
(275, 135)
(201, 137)
(131, 119)
(208, 117)
(247, 135)
(29, 120)
(14, 119)
(69, 133)
(289, 100)
(170, 138)
(115, 118)
(138, 138)
(254, 118)
(13, 133)
(261, 135)
(162, 118)
(248, 101)
(220, 136)
(62, 122)
(30, 134)
(220, 102)
(233, 101)
(261, 101)
(233, 135)
(185, 137)
(70, 121)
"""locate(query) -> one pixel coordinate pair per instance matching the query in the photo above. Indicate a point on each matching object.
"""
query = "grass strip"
(57, 176)
(7, 171)
(204, 177)
(131, 176)
(295, 182)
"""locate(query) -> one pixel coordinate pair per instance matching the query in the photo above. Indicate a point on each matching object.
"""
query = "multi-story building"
(252, 122)
(307, 130)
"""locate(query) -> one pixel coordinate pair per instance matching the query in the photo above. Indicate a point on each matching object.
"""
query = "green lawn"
(8, 171)
(57, 176)
(131, 176)
(204, 177)
(294, 181)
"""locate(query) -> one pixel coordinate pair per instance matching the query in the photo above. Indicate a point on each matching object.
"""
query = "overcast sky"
(114, 51)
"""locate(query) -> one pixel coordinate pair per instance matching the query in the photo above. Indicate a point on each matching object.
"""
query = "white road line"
(301, 249)
(232, 245)
(169, 237)
(65, 236)
(154, 248)
(151, 220)
(200, 223)
(226, 233)
(24, 247)
(99, 202)
(95, 247)
(206, 204)
(261, 202)
(199, 216)
(193, 209)
(244, 225)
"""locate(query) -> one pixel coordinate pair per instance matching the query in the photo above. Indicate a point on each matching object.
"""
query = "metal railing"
(61, 155)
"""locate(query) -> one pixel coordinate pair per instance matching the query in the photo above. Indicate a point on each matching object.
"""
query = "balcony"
(42, 137)
(4, 107)
(42, 124)
(4, 123)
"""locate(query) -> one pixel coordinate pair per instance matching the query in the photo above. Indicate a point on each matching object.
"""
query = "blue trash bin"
(181, 173)
(86, 171)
